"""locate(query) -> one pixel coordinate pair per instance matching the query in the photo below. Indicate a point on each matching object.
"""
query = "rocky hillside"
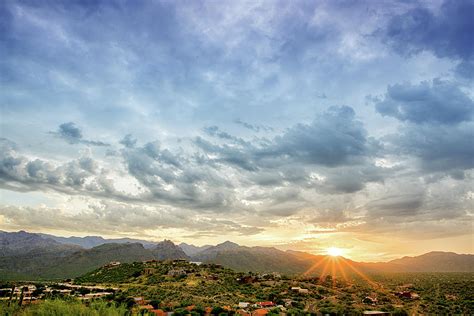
(168, 250)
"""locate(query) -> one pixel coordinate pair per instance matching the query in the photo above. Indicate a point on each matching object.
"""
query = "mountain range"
(94, 241)
(26, 255)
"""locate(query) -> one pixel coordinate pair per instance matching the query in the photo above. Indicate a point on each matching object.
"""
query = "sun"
(334, 252)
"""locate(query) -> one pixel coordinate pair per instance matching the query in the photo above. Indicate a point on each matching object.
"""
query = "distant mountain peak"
(227, 245)
(167, 241)
(192, 250)
(167, 249)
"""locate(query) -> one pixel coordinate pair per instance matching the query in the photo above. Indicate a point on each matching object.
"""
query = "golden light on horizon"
(335, 252)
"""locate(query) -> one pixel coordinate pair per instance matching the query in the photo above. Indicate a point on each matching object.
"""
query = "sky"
(297, 124)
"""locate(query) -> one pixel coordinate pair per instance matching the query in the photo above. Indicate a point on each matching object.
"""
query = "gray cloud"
(438, 128)
(438, 148)
(72, 134)
(395, 205)
(128, 141)
(335, 138)
(178, 180)
(214, 131)
(9, 160)
(253, 127)
(446, 33)
(437, 102)
(81, 175)
(353, 178)
(240, 154)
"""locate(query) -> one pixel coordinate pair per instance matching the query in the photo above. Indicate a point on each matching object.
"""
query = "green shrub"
(61, 307)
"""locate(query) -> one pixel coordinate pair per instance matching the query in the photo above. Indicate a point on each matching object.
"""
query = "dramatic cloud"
(82, 175)
(439, 148)
(333, 139)
(446, 33)
(436, 102)
(438, 126)
(239, 117)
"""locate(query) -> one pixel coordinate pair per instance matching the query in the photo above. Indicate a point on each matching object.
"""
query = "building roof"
(260, 311)
(158, 312)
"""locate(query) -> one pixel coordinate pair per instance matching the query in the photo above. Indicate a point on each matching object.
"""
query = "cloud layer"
(261, 121)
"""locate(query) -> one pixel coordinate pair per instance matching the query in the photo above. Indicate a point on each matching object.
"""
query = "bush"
(61, 307)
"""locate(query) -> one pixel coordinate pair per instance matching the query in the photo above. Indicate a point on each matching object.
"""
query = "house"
(265, 304)
(244, 304)
(96, 295)
(112, 264)
(146, 307)
(299, 290)
(242, 312)
(158, 312)
(260, 312)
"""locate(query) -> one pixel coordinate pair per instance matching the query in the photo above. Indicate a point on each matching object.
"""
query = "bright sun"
(335, 252)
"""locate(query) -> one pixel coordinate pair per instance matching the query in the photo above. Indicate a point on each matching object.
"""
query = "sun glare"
(335, 252)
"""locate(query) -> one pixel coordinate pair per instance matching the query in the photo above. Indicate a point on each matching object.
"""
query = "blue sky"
(300, 124)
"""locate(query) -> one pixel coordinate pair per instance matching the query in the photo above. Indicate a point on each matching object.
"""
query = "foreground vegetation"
(59, 307)
(187, 288)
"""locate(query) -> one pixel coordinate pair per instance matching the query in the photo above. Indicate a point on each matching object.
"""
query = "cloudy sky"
(298, 124)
